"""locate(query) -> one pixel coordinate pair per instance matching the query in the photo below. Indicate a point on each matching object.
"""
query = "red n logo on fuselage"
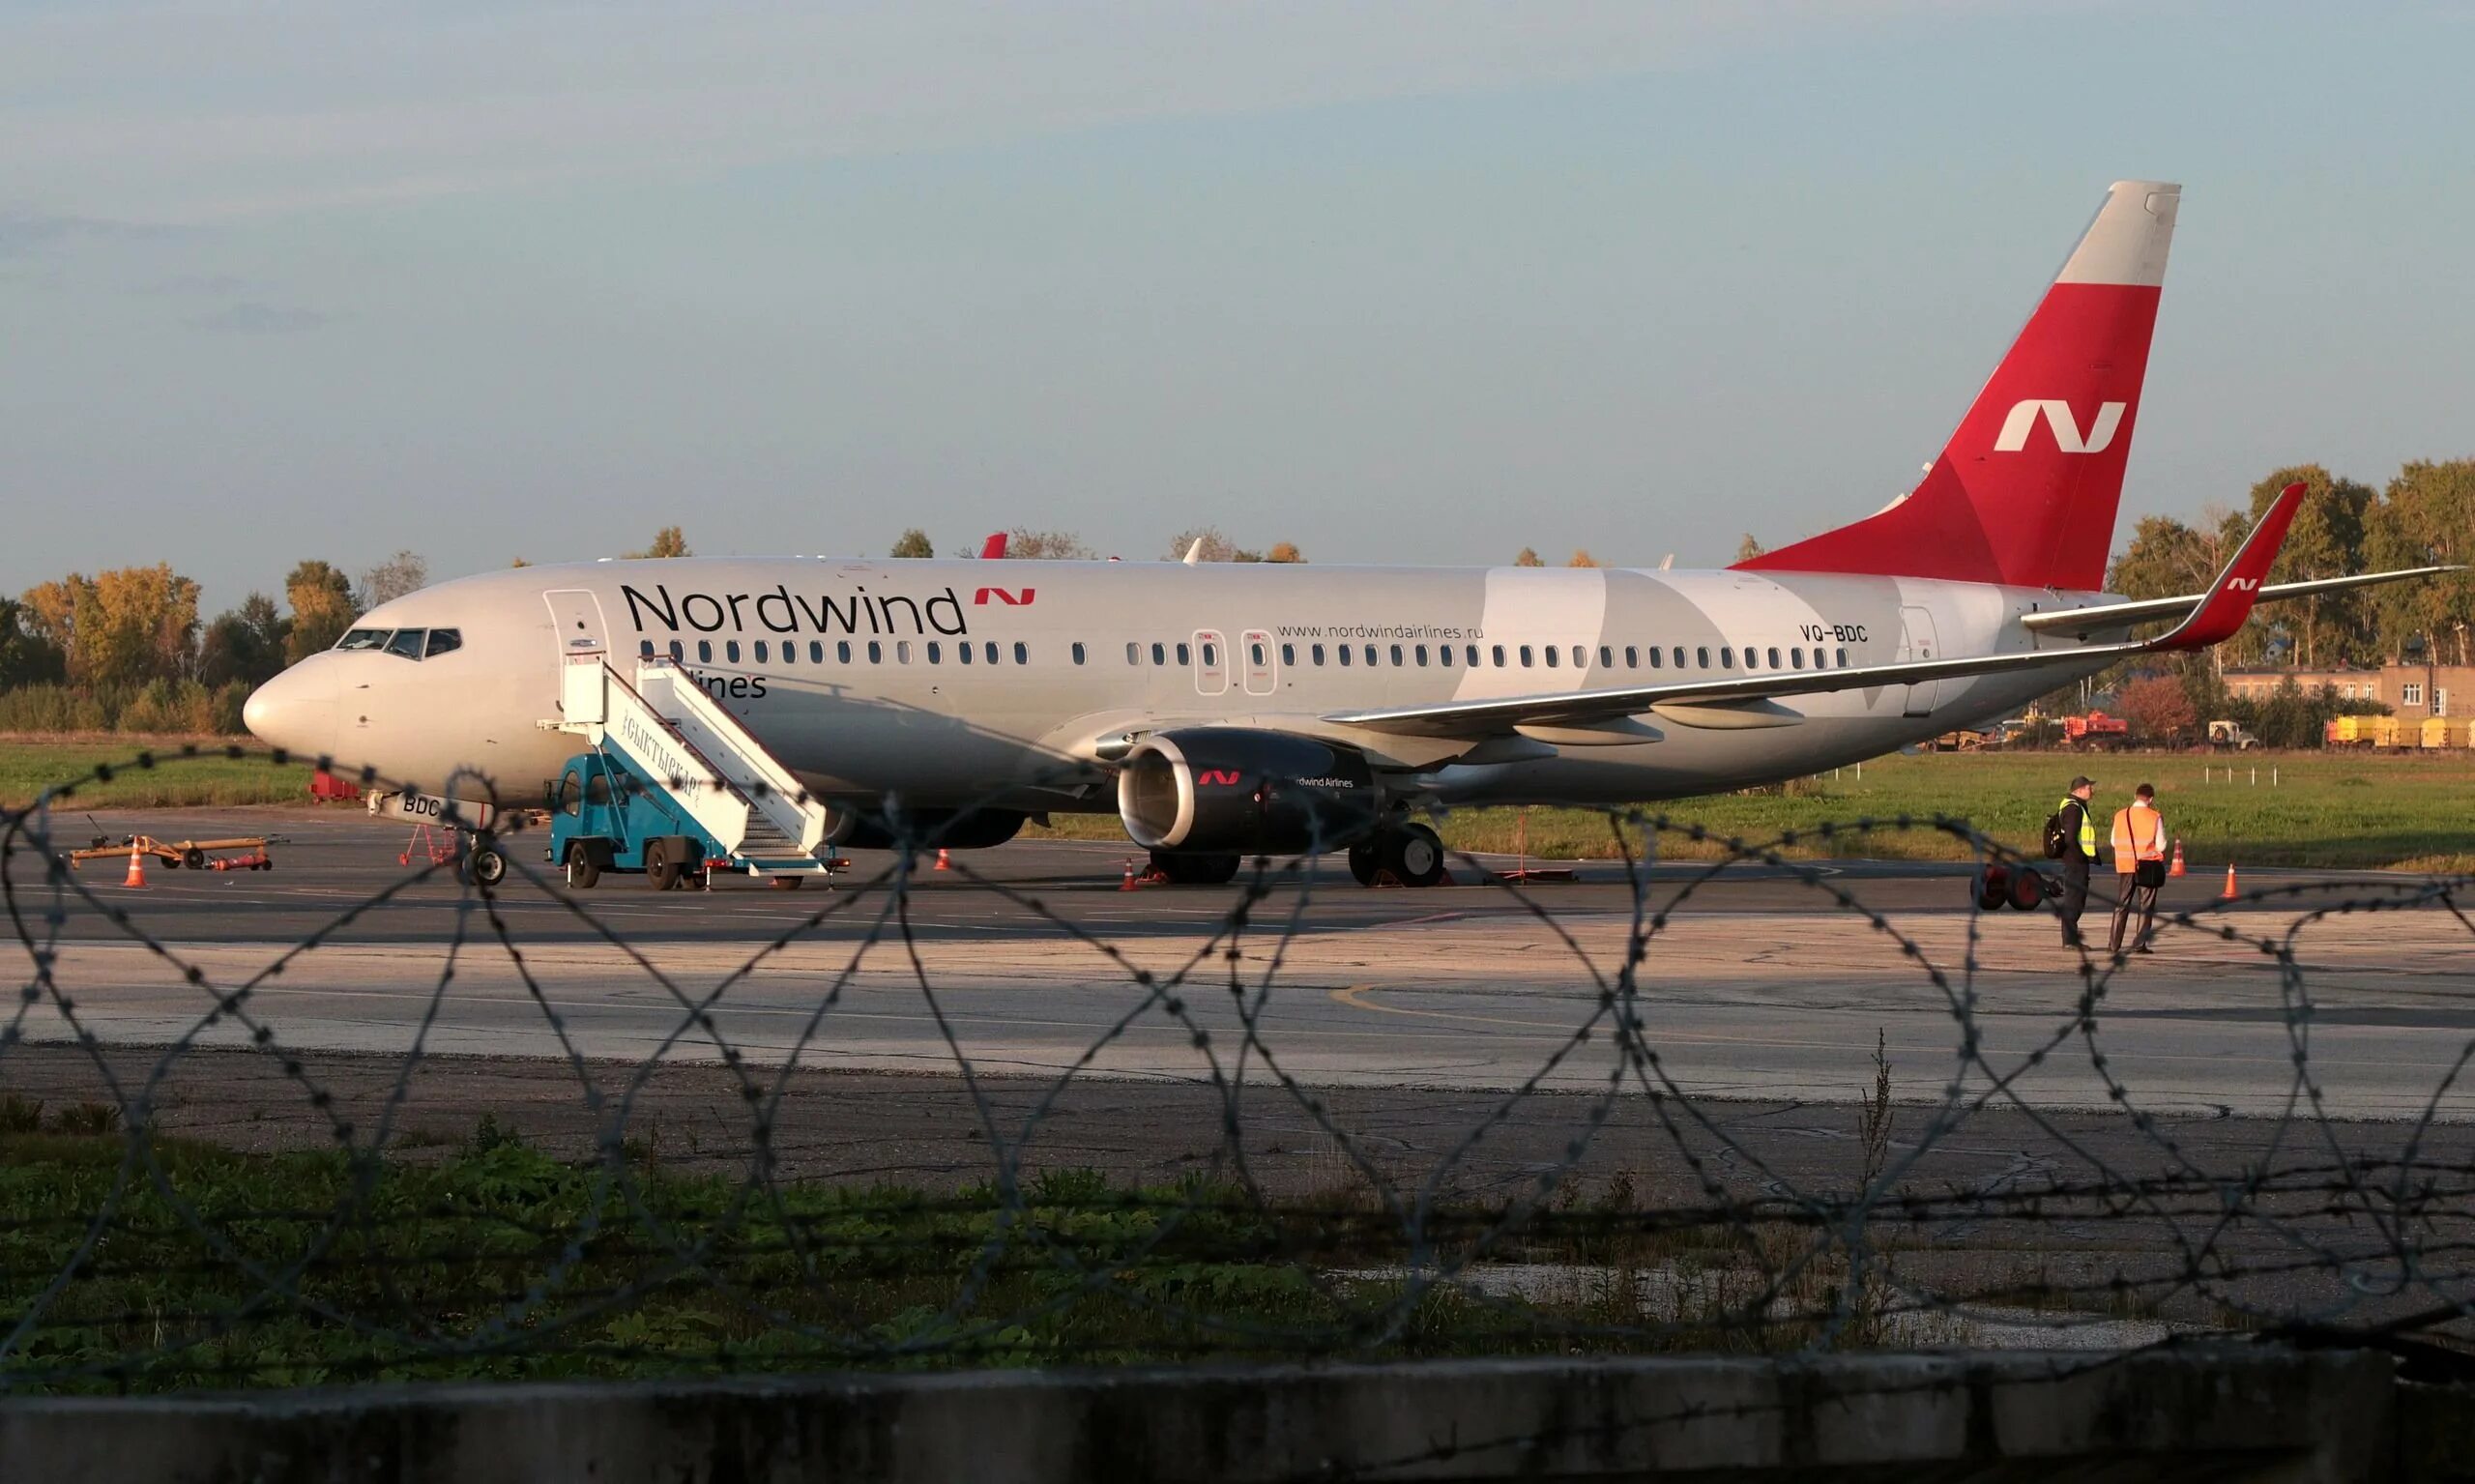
(1220, 777)
(979, 599)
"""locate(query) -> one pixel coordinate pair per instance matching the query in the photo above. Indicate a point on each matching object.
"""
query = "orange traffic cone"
(1128, 884)
(2229, 893)
(943, 864)
(2176, 870)
(136, 869)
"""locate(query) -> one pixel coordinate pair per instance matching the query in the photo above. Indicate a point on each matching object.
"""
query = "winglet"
(2229, 603)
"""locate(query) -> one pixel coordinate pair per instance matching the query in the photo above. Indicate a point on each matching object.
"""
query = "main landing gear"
(1410, 852)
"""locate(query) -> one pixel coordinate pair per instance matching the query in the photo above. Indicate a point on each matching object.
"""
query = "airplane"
(1225, 711)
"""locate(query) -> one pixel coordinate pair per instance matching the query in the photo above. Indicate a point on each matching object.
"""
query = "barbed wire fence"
(137, 1257)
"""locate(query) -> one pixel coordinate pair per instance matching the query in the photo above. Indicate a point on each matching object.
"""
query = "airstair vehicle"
(671, 785)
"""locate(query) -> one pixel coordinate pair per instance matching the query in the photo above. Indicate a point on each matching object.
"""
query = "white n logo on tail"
(2066, 430)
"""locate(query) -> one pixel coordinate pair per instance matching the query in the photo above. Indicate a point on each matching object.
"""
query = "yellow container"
(2348, 731)
(2385, 732)
(2446, 732)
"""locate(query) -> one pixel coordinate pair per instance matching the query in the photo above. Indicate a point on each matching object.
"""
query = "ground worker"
(2079, 852)
(2139, 866)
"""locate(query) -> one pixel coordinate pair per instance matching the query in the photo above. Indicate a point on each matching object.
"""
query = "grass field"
(30, 765)
(2326, 809)
(219, 1269)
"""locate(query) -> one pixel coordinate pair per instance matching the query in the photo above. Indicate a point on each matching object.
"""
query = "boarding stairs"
(685, 746)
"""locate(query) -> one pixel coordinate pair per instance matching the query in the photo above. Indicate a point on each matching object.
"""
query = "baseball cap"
(2083, 781)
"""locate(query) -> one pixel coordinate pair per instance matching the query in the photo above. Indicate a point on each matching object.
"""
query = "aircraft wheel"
(582, 871)
(659, 871)
(1414, 855)
(486, 867)
(1195, 870)
(1362, 862)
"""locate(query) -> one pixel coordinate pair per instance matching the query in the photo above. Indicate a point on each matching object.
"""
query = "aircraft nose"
(296, 710)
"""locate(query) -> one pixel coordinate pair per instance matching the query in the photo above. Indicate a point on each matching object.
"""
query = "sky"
(1398, 280)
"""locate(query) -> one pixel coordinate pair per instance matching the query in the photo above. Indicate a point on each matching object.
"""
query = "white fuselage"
(1002, 683)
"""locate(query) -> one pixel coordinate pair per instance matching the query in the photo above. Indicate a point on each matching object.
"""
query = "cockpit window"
(407, 643)
(362, 639)
(442, 640)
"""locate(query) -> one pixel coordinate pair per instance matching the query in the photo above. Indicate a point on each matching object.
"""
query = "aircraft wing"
(1742, 700)
(2119, 618)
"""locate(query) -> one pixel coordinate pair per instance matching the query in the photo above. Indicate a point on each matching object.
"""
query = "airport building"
(2409, 690)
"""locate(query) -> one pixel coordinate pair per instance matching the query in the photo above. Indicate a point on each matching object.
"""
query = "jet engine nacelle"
(1220, 789)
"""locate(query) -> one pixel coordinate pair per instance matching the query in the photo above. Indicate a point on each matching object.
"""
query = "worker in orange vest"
(2139, 866)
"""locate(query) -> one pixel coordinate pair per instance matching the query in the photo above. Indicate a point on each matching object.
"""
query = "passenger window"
(1396, 656)
(1654, 657)
(1423, 657)
(408, 642)
(1798, 655)
(1821, 660)
(760, 651)
(730, 651)
(1500, 656)
(1473, 657)
(1210, 655)
(1133, 653)
(1525, 657)
(1581, 656)
(1702, 656)
(704, 652)
(1840, 658)
(876, 653)
(1344, 651)
(1289, 653)
(1727, 658)
(816, 651)
(1774, 658)
(962, 651)
(1370, 654)
(1159, 654)
(1317, 653)
(644, 650)
(363, 639)
(678, 652)
(902, 651)
(570, 793)
(1632, 657)
(1606, 658)
(1553, 657)
(1078, 652)
(1679, 656)
(842, 650)
(1022, 653)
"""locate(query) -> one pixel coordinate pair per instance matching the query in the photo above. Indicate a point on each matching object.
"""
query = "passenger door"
(582, 643)
(1915, 646)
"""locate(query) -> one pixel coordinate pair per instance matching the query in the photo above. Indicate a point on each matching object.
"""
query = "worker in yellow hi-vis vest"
(2139, 866)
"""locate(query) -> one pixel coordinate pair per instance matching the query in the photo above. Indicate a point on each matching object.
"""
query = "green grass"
(498, 1261)
(2330, 810)
(208, 776)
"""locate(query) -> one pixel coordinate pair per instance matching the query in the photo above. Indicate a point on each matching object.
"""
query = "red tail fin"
(2024, 492)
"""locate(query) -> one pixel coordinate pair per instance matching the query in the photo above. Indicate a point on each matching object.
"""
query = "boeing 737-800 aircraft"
(1226, 710)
